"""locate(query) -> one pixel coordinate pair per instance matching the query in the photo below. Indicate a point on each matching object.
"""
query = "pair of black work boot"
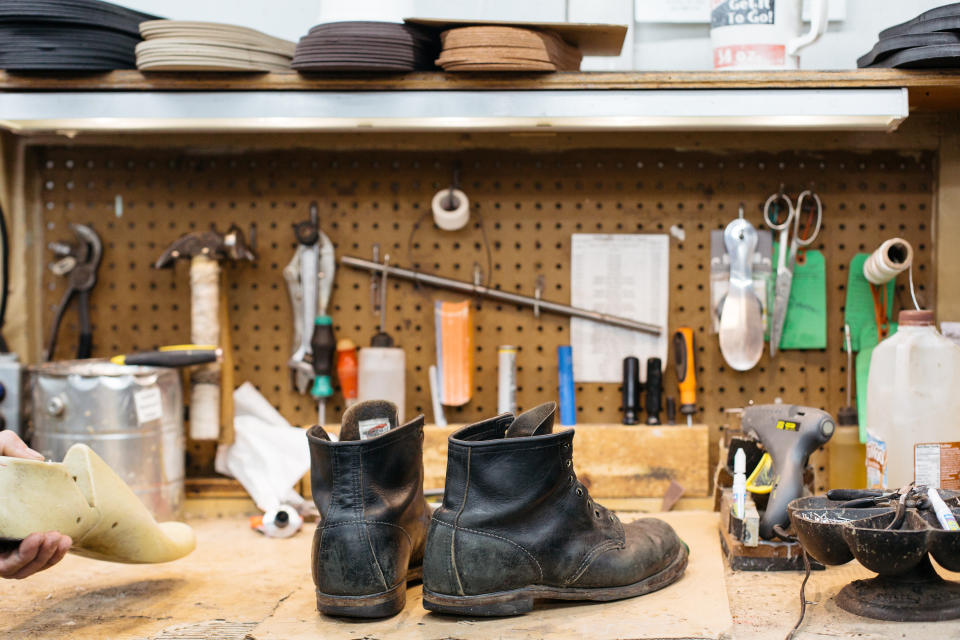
(515, 525)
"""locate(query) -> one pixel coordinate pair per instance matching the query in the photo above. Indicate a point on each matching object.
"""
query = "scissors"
(807, 202)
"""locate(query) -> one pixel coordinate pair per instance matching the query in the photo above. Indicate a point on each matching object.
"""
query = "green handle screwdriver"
(324, 349)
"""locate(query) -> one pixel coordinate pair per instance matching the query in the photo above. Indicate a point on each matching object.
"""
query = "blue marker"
(568, 401)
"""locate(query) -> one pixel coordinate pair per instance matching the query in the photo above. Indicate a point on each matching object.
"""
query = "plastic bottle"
(347, 370)
(913, 404)
(382, 376)
(739, 483)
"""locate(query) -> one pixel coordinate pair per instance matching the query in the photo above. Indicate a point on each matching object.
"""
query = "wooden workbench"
(239, 585)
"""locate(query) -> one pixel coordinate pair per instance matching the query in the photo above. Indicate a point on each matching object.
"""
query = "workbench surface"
(239, 585)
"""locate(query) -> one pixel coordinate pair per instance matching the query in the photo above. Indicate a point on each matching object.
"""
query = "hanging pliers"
(78, 262)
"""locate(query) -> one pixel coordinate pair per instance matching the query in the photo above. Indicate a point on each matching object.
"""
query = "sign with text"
(729, 13)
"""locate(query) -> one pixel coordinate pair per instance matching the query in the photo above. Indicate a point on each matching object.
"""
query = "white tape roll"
(447, 219)
(892, 258)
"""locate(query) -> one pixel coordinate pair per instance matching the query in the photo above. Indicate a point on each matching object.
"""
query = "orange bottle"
(347, 370)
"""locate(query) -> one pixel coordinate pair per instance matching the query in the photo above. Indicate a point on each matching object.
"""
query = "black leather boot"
(369, 490)
(516, 526)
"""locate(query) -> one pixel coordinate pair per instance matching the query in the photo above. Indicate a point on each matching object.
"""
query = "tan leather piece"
(83, 498)
(506, 49)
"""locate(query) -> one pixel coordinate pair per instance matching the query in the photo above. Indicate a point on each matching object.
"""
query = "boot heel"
(507, 603)
(379, 605)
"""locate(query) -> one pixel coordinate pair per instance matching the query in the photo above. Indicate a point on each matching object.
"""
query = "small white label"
(876, 462)
(926, 470)
(149, 405)
(937, 465)
(373, 427)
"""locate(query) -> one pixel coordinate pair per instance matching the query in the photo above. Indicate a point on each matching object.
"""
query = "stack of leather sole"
(929, 41)
(494, 48)
(68, 35)
(176, 45)
(366, 46)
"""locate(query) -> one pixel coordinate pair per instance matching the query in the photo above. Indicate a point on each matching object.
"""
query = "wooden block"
(613, 461)
(752, 553)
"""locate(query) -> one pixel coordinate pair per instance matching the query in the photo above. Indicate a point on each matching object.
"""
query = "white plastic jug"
(381, 376)
(762, 34)
(913, 407)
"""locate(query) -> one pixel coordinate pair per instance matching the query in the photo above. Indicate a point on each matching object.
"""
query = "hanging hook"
(450, 202)
(538, 295)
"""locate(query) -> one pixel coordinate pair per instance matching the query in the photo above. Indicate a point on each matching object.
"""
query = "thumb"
(12, 445)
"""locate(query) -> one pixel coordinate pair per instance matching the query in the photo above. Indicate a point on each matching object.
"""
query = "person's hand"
(37, 552)
(11, 445)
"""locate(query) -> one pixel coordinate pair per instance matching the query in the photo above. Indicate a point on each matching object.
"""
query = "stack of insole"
(931, 41)
(494, 48)
(176, 45)
(366, 46)
(68, 35)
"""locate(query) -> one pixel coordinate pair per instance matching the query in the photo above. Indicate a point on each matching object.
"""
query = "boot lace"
(599, 511)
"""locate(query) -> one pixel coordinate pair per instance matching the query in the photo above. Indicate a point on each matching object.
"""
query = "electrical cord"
(5, 247)
(488, 276)
(803, 585)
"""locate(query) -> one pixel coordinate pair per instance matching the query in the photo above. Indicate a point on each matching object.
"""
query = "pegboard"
(528, 204)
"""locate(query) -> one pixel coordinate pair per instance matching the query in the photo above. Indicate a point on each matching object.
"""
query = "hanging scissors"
(808, 206)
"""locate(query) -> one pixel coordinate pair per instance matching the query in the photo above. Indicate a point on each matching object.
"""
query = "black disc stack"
(367, 46)
(929, 41)
(68, 35)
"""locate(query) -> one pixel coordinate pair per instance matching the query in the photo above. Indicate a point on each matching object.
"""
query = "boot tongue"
(368, 419)
(535, 422)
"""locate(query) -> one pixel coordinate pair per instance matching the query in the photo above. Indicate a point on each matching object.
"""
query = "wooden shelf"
(929, 90)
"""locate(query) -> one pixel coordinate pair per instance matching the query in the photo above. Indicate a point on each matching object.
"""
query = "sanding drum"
(496, 48)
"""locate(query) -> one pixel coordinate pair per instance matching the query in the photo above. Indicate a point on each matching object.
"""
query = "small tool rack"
(531, 191)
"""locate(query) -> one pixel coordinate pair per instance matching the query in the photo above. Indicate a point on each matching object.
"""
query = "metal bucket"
(131, 416)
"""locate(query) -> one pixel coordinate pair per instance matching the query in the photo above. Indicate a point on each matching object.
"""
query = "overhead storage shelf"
(877, 99)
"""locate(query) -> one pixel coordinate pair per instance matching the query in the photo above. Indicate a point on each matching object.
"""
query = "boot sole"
(519, 601)
(376, 605)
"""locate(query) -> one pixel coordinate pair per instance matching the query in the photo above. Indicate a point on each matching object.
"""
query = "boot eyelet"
(596, 513)
(571, 479)
(579, 491)
(569, 463)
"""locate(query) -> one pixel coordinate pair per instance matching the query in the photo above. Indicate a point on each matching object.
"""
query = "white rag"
(268, 455)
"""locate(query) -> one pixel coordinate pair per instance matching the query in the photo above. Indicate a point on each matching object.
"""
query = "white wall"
(672, 47)
(648, 47)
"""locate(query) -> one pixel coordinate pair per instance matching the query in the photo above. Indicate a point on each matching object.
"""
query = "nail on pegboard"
(529, 204)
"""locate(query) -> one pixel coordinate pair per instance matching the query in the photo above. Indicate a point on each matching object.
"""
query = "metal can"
(131, 416)
(506, 379)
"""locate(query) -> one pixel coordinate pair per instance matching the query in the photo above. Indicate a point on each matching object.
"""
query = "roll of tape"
(892, 258)
(451, 219)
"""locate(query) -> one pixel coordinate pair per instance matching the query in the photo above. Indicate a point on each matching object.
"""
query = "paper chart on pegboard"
(626, 275)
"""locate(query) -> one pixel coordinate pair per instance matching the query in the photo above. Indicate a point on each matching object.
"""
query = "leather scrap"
(366, 46)
(68, 35)
(495, 48)
(181, 45)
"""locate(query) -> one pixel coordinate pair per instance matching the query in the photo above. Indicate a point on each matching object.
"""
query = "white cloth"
(268, 455)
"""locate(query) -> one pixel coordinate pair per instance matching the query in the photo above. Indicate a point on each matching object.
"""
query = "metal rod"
(496, 294)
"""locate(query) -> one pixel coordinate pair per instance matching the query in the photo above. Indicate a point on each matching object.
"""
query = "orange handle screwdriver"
(686, 371)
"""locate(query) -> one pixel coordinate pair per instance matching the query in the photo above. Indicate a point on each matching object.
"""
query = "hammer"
(205, 249)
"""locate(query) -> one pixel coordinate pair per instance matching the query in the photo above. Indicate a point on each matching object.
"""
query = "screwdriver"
(631, 390)
(324, 349)
(686, 377)
(180, 355)
(654, 387)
